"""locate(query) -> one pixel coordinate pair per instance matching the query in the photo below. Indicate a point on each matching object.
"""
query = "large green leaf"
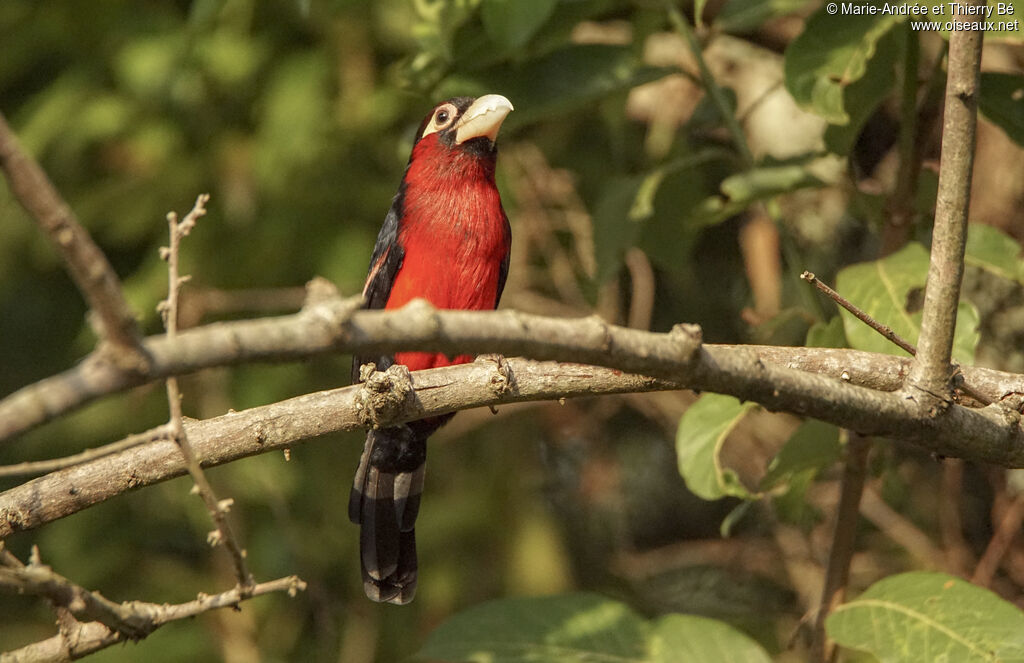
(890, 290)
(863, 96)
(1002, 101)
(922, 616)
(511, 23)
(831, 54)
(699, 439)
(994, 251)
(585, 628)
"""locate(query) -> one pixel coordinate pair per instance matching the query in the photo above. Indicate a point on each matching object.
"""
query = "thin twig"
(930, 376)
(959, 557)
(837, 573)
(1009, 528)
(85, 262)
(108, 622)
(958, 379)
(32, 468)
(899, 220)
(884, 330)
(169, 309)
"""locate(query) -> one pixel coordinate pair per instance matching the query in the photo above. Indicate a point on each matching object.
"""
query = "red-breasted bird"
(446, 239)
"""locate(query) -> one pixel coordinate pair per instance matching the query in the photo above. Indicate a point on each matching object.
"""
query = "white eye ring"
(443, 118)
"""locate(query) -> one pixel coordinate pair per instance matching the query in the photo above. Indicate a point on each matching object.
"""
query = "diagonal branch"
(88, 266)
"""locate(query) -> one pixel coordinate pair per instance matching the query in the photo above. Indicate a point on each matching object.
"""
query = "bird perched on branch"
(446, 239)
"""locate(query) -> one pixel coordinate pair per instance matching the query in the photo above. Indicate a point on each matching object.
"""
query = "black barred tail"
(385, 500)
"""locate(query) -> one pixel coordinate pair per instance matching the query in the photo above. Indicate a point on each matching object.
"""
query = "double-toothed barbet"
(446, 239)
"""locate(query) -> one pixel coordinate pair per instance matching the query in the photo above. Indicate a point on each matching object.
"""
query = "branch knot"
(385, 394)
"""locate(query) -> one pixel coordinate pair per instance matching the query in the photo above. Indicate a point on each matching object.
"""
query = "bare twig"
(88, 267)
(837, 573)
(958, 554)
(884, 330)
(641, 300)
(169, 309)
(899, 220)
(111, 622)
(930, 377)
(32, 468)
(1009, 528)
(901, 530)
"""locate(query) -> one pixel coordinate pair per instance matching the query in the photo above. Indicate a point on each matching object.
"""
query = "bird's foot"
(502, 381)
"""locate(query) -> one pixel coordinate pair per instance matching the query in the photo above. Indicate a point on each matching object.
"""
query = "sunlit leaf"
(891, 291)
(583, 627)
(699, 439)
(994, 251)
(689, 638)
(552, 629)
(831, 54)
(827, 334)
(922, 616)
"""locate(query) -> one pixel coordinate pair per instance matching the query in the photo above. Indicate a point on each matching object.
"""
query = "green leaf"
(688, 638)
(827, 334)
(922, 616)
(741, 16)
(814, 446)
(699, 439)
(511, 23)
(583, 628)
(578, 627)
(628, 203)
(767, 181)
(831, 54)
(1002, 101)
(567, 79)
(863, 96)
(994, 251)
(890, 290)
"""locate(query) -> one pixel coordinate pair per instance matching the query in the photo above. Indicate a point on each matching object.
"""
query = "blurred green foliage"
(297, 116)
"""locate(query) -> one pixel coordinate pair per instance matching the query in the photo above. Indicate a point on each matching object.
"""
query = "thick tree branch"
(991, 433)
(333, 325)
(931, 373)
(88, 266)
(272, 427)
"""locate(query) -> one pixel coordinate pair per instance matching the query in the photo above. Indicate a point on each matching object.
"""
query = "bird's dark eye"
(442, 117)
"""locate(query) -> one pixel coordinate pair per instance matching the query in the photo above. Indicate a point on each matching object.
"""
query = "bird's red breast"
(454, 233)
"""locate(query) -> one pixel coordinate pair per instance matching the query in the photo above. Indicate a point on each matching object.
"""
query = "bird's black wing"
(384, 265)
(503, 270)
